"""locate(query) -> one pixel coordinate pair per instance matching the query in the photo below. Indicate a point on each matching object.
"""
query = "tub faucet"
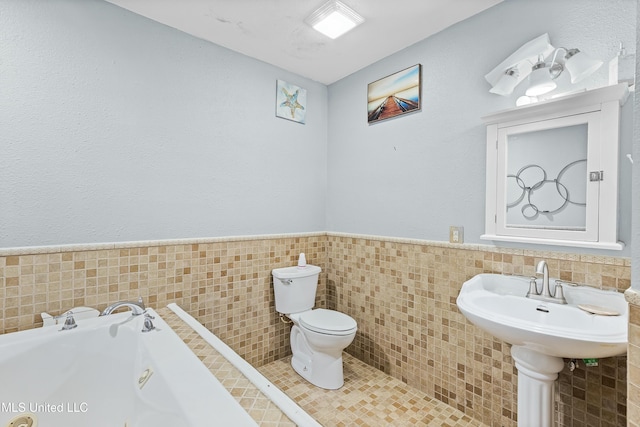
(137, 307)
(545, 295)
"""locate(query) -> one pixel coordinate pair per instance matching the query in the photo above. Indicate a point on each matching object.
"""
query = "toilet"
(318, 336)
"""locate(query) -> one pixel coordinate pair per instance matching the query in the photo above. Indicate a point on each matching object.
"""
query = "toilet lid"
(328, 321)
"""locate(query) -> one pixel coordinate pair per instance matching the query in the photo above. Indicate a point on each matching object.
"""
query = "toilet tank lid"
(295, 272)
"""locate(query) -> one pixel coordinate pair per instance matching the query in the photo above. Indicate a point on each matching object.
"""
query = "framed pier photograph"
(394, 95)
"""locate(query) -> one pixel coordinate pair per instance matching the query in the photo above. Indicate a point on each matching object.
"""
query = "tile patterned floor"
(369, 397)
(259, 406)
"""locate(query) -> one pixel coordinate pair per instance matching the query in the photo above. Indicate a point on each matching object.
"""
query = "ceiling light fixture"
(334, 18)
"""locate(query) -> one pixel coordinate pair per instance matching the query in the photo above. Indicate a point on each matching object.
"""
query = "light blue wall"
(117, 128)
(416, 175)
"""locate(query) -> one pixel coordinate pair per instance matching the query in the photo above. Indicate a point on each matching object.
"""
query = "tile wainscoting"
(225, 283)
(402, 292)
(403, 295)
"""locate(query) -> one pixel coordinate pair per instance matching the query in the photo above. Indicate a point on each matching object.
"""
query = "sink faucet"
(557, 296)
(137, 307)
(543, 268)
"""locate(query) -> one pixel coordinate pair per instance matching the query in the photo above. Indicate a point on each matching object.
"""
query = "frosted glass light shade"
(540, 81)
(580, 65)
(506, 84)
(525, 100)
(334, 18)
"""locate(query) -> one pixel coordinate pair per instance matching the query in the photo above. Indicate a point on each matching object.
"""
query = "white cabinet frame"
(600, 109)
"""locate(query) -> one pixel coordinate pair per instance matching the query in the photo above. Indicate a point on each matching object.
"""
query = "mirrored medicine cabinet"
(552, 171)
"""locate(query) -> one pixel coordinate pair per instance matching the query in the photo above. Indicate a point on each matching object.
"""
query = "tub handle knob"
(69, 322)
(148, 325)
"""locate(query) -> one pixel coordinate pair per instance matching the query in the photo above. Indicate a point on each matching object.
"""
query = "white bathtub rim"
(290, 408)
(198, 395)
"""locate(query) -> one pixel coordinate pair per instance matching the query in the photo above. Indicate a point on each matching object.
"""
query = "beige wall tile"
(410, 327)
(401, 292)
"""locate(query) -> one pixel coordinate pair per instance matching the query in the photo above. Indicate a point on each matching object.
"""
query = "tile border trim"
(567, 256)
(77, 247)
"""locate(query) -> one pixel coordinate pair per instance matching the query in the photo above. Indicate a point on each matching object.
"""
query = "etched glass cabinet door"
(543, 171)
(552, 171)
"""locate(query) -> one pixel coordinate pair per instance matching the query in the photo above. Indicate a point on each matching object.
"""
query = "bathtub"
(107, 373)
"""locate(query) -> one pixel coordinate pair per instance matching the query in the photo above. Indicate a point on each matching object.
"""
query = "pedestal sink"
(543, 333)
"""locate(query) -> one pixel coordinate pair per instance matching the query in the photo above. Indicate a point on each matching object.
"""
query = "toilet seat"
(328, 322)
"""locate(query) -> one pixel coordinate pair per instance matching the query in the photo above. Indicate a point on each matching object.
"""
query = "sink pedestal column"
(536, 375)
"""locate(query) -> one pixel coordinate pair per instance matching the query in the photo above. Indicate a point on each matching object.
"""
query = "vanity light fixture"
(542, 65)
(334, 18)
(577, 63)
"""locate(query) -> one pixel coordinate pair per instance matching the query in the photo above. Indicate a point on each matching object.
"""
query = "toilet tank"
(295, 288)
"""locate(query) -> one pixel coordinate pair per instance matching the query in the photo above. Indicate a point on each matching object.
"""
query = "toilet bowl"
(318, 336)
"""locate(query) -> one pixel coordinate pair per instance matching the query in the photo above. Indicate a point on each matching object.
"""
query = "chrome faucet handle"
(148, 325)
(533, 287)
(558, 293)
(69, 322)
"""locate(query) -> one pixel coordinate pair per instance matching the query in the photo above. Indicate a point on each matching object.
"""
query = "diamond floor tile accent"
(257, 405)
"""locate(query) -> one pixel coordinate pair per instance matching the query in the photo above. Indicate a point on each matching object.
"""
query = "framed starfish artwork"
(291, 102)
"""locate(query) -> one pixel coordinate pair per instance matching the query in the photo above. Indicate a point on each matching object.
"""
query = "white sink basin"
(498, 305)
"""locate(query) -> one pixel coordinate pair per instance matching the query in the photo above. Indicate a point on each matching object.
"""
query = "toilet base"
(327, 374)
(320, 369)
